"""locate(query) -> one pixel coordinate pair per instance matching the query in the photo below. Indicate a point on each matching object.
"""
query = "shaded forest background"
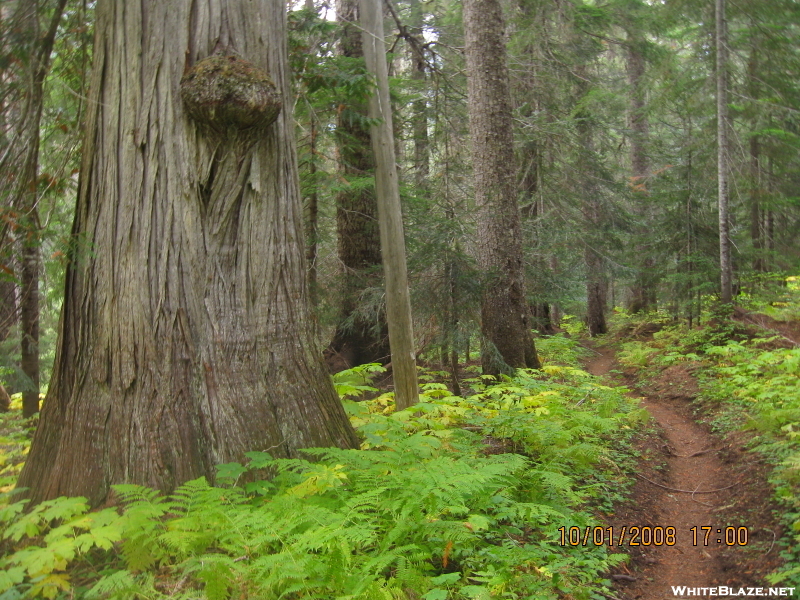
(616, 166)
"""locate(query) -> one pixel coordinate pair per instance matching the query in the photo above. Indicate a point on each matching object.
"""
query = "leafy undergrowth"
(757, 384)
(752, 383)
(779, 298)
(15, 441)
(457, 498)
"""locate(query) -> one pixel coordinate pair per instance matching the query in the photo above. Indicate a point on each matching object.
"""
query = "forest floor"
(690, 477)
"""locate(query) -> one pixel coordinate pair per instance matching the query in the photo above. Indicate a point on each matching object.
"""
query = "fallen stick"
(699, 453)
(686, 491)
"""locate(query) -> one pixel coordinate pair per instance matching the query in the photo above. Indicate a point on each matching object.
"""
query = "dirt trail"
(693, 464)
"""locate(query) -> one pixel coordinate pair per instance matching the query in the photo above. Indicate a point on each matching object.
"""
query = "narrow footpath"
(690, 482)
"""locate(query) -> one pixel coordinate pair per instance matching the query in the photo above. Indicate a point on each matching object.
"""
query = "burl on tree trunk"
(185, 339)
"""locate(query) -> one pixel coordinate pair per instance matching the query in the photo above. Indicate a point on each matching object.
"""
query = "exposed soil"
(689, 477)
(788, 330)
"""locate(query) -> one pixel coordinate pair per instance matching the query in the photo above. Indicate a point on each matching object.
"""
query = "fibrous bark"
(505, 318)
(185, 338)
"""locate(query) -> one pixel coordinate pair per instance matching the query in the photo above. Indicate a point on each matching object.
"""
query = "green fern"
(420, 510)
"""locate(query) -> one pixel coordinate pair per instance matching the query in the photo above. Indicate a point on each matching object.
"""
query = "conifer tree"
(185, 339)
(505, 317)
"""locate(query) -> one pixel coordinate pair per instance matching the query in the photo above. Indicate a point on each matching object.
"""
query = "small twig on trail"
(698, 501)
(700, 453)
(774, 538)
(721, 508)
(727, 487)
(623, 577)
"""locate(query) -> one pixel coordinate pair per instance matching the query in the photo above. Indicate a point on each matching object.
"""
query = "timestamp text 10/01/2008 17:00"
(705, 535)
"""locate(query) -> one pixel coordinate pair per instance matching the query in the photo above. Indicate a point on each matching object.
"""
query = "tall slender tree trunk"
(312, 214)
(451, 276)
(390, 216)
(29, 314)
(185, 338)
(755, 204)
(723, 156)
(643, 292)
(755, 167)
(690, 234)
(505, 317)
(27, 200)
(311, 200)
(419, 108)
(596, 279)
(529, 165)
(26, 197)
(361, 335)
(9, 309)
(769, 218)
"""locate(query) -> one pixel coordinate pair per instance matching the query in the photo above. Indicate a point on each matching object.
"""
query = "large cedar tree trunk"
(505, 318)
(185, 338)
(361, 335)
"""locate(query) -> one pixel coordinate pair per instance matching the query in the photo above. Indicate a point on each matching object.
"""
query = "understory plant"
(759, 385)
(751, 383)
(456, 497)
